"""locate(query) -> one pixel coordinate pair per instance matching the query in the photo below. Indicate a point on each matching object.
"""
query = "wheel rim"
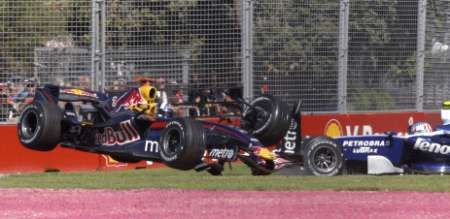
(29, 125)
(261, 115)
(324, 159)
(172, 142)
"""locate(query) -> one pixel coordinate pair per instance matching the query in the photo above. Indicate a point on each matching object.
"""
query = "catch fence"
(333, 55)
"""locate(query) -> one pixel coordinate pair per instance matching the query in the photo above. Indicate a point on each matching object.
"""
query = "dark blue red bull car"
(93, 122)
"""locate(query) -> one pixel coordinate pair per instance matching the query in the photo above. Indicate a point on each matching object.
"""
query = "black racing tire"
(269, 129)
(182, 143)
(125, 159)
(216, 169)
(323, 157)
(39, 126)
(263, 171)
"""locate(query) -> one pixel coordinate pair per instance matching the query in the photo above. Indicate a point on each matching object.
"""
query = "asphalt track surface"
(154, 203)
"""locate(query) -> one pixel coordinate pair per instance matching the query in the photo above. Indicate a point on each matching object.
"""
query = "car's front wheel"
(182, 144)
(323, 157)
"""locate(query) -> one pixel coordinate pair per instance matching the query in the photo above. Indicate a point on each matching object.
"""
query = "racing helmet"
(148, 93)
(420, 128)
(445, 112)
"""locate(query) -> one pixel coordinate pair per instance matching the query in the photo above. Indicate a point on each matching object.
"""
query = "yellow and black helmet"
(148, 92)
(446, 105)
(445, 112)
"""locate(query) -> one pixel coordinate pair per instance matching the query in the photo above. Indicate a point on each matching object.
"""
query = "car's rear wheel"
(268, 119)
(323, 157)
(182, 144)
(39, 126)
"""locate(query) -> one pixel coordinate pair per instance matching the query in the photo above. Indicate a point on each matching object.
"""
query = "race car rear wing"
(55, 93)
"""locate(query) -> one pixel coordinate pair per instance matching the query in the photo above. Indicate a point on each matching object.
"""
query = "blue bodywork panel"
(359, 147)
(426, 152)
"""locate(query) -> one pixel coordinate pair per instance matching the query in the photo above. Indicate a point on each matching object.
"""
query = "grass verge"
(238, 178)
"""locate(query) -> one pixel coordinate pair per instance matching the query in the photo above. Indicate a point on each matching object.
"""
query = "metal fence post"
(420, 58)
(103, 44)
(98, 31)
(94, 25)
(247, 47)
(185, 67)
(343, 55)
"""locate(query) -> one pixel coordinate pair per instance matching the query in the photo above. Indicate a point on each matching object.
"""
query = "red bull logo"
(125, 134)
(130, 98)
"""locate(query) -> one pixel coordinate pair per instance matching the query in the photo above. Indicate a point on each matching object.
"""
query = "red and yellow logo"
(333, 128)
(79, 92)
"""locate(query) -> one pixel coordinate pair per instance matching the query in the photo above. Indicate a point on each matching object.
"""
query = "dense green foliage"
(382, 54)
(295, 42)
(296, 45)
(207, 30)
(25, 24)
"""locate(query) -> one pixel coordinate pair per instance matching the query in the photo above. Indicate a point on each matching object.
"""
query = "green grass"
(238, 178)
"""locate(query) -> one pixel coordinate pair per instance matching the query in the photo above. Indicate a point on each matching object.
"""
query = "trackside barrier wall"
(16, 158)
(335, 125)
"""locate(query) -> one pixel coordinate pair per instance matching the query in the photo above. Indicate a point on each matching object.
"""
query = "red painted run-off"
(16, 158)
(154, 203)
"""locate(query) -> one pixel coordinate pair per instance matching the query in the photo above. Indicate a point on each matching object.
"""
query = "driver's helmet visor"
(148, 92)
(420, 128)
(445, 112)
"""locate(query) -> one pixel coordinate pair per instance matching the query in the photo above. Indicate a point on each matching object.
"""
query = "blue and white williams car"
(423, 150)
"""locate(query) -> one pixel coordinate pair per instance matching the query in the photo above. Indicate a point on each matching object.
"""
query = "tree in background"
(295, 42)
(25, 25)
(207, 29)
(382, 54)
(296, 48)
